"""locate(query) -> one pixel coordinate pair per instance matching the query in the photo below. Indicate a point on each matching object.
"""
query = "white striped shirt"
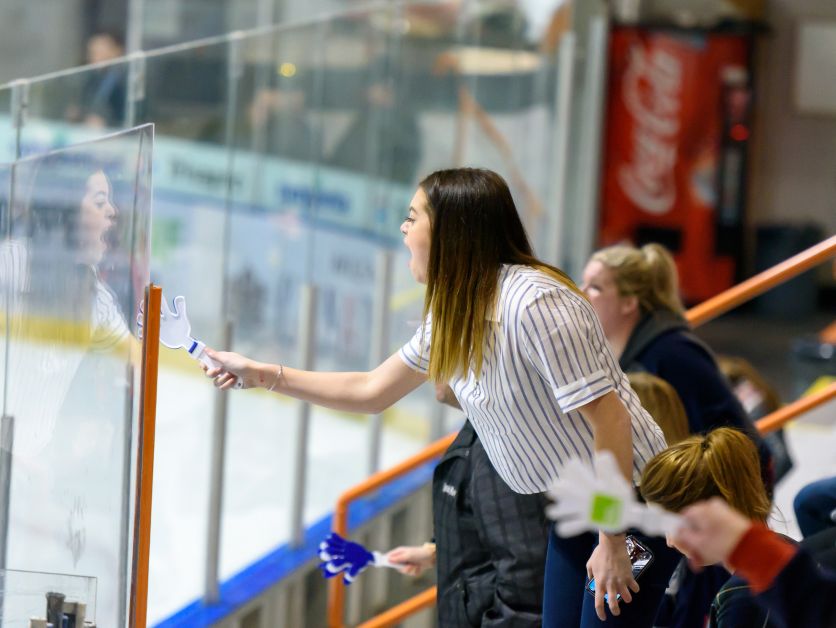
(545, 356)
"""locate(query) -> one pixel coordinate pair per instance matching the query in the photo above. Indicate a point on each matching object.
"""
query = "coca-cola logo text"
(651, 92)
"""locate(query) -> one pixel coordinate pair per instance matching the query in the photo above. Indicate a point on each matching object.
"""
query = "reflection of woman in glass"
(59, 307)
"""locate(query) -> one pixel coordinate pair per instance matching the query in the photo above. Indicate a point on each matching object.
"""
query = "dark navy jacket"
(662, 344)
(802, 594)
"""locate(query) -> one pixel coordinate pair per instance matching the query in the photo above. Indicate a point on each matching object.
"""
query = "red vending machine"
(677, 129)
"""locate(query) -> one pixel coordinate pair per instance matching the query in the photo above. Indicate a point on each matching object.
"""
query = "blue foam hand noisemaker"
(339, 555)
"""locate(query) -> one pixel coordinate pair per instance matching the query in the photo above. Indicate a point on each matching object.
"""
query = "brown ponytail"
(723, 463)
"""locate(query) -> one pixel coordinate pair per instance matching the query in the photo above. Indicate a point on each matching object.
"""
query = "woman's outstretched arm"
(367, 392)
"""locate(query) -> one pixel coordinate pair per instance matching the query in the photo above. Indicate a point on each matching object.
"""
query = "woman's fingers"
(599, 603)
(611, 593)
(612, 601)
(228, 381)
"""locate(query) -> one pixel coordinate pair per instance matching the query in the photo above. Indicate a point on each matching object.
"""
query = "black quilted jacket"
(491, 542)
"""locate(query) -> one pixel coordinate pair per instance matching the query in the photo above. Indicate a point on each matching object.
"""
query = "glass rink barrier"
(74, 262)
(285, 158)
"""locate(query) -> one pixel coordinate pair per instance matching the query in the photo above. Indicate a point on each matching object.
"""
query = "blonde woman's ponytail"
(662, 278)
(648, 273)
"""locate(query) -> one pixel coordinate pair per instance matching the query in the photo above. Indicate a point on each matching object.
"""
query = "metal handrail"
(403, 610)
(784, 415)
(698, 315)
(760, 283)
(336, 597)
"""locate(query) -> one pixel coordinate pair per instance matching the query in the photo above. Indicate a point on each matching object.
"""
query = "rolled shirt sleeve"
(416, 353)
(558, 341)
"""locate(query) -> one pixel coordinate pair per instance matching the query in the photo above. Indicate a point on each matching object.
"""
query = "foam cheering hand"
(590, 499)
(339, 555)
(175, 332)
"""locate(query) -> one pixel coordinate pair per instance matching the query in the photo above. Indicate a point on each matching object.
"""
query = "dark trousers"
(567, 603)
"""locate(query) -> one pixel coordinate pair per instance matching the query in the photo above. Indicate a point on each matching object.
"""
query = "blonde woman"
(527, 360)
(635, 292)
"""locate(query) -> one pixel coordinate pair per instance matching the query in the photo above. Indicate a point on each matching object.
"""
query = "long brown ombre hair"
(723, 463)
(475, 229)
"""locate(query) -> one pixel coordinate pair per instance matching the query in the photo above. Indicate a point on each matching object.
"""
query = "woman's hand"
(610, 566)
(233, 365)
(413, 560)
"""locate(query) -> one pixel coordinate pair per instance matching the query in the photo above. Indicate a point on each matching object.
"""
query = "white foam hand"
(175, 329)
(176, 332)
(590, 499)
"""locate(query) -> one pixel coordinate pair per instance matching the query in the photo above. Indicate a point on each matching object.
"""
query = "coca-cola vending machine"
(677, 131)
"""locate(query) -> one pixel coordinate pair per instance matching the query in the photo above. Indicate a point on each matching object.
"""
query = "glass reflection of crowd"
(101, 102)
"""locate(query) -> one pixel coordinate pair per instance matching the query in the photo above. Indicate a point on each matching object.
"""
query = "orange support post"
(336, 593)
(760, 283)
(145, 460)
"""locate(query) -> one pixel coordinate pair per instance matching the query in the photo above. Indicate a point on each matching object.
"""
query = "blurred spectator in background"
(815, 507)
(276, 124)
(103, 95)
(759, 399)
(660, 399)
(384, 139)
(635, 293)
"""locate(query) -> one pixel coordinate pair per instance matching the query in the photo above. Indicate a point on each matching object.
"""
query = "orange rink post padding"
(145, 458)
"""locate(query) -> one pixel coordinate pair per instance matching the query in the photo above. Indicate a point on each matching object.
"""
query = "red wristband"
(760, 556)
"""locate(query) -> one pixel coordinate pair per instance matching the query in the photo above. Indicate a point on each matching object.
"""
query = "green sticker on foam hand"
(605, 510)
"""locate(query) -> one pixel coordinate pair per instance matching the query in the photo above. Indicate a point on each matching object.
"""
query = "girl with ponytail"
(635, 292)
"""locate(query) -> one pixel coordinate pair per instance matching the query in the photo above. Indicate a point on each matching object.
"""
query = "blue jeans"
(815, 506)
(567, 603)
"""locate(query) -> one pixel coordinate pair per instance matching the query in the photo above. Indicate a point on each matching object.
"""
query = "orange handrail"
(336, 593)
(786, 414)
(145, 463)
(760, 283)
(423, 600)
